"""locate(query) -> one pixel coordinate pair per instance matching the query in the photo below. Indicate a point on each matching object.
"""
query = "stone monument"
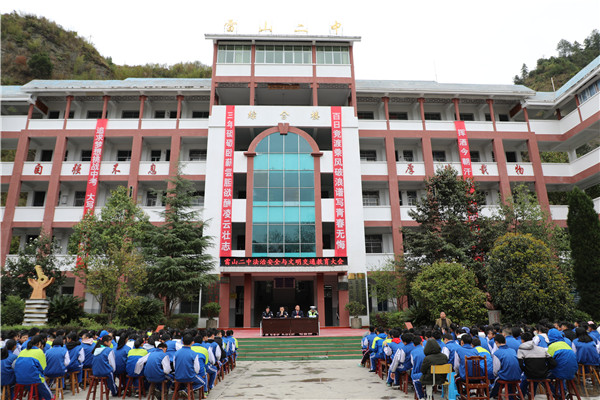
(36, 308)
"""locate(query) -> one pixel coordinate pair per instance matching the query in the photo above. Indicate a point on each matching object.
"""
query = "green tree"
(13, 310)
(524, 281)
(40, 66)
(177, 250)
(452, 228)
(387, 283)
(111, 263)
(40, 251)
(584, 231)
(449, 287)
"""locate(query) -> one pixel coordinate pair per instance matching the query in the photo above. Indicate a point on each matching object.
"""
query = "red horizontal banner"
(282, 261)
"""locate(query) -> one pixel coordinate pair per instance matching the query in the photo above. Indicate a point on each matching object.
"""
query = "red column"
(558, 114)
(54, 183)
(247, 301)
(142, 101)
(67, 111)
(491, 106)
(353, 85)
(134, 164)
(456, 109)
(578, 109)
(386, 109)
(105, 100)
(174, 161)
(179, 100)
(540, 184)
(421, 101)
(321, 298)
(427, 156)
(213, 84)
(390, 154)
(29, 114)
(343, 299)
(501, 164)
(12, 197)
(224, 301)
(526, 115)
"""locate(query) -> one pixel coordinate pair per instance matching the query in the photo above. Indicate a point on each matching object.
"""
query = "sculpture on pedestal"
(39, 286)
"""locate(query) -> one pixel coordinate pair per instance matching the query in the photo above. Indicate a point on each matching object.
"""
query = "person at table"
(312, 313)
(267, 313)
(282, 313)
(297, 313)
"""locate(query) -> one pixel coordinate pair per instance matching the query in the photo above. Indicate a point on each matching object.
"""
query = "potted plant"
(211, 310)
(355, 309)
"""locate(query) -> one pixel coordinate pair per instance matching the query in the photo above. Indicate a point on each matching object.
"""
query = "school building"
(304, 172)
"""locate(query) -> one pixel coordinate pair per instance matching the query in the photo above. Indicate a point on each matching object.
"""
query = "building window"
(151, 198)
(368, 155)
(283, 210)
(79, 199)
(407, 155)
(86, 155)
(370, 198)
(155, 155)
(197, 155)
(411, 197)
(94, 114)
(365, 115)
(233, 54)
(589, 91)
(503, 117)
(283, 54)
(198, 199)
(398, 116)
(130, 114)
(71, 114)
(466, 117)
(46, 155)
(38, 199)
(511, 156)
(165, 114)
(475, 156)
(337, 55)
(373, 244)
(382, 305)
(439, 156)
(488, 117)
(123, 155)
(199, 114)
(432, 116)
(53, 114)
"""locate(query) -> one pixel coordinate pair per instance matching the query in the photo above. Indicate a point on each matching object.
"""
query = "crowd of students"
(41, 356)
(512, 353)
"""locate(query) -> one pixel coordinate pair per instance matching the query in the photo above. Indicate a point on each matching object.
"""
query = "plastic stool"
(129, 385)
(33, 391)
(103, 388)
(163, 390)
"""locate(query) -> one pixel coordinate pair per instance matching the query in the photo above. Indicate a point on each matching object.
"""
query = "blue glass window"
(283, 209)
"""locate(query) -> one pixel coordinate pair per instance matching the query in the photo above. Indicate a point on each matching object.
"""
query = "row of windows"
(371, 198)
(283, 54)
(429, 116)
(129, 114)
(122, 155)
(589, 91)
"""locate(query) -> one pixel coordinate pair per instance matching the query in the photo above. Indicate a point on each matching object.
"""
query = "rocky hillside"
(36, 48)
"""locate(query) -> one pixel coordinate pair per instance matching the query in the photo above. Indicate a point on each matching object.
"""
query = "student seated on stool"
(103, 363)
(29, 367)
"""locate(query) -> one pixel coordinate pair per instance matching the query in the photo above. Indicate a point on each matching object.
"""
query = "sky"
(459, 41)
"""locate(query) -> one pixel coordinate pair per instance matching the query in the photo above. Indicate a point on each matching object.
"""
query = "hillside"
(571, 58)
(36, 48)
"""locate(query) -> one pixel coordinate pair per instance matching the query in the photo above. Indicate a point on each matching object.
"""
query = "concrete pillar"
(247, 301)
(224, 301)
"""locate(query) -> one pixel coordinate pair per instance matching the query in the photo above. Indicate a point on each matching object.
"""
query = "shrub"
(90, 324)
(182, 321)
(140, 312)
(40, 66)
(451, 288)
(392, 319)
(355, 308)
(100, 318)
(64, 309)
(211, 309)
(13, 310)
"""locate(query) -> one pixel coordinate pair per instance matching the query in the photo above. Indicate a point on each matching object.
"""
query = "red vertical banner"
(463, 149)
(94, 174)
(338, 181)
(226, 206)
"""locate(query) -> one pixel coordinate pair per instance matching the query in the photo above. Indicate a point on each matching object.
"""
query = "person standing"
(443, 322)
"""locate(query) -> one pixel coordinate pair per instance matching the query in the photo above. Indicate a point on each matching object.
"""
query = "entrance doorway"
(287, 292)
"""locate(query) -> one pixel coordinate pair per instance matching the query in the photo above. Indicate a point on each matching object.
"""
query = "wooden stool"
(141, 391)
(103, 388)
(571, 389)
(87, 374)
(58, 391)
(6, 392)
(163, 390)
(74, 380)
(545, 382)
(404, 380)
(506, 385)
(190, 390)
(593, 375)
(122, 383)
(32, 388)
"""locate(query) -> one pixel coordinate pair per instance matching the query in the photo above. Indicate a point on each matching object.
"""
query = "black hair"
(527, 336)
(417, 340)
(515, 331)
(466, 339)
(10, 344)
(407, 337)
(58, 341)
(138, 342)
(371, 328)
(582, 335)
(229, 332)
(34, 341)
(187, 339)
(123, 338)
(476, 342)
(499, 339)
(165, 337)
(447, 336)
(198, 339)
(162, 346)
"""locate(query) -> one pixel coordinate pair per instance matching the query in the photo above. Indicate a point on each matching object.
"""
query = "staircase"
(299, 348)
